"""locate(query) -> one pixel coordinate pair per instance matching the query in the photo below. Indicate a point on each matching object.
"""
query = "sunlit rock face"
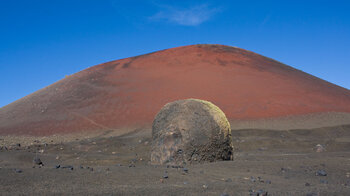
(190, 131)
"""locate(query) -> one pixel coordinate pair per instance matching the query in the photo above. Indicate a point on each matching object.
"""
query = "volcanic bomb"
(190, 131)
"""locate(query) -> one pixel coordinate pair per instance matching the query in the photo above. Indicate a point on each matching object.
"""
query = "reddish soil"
(131, 91)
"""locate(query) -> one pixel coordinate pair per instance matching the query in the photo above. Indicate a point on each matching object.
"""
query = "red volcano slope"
(131, 91)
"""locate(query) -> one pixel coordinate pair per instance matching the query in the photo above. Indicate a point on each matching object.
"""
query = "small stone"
(324, 181)
(131, 165)
(57, 166)
(205, 186)
(321, 173)
(261, 192)
(320, 148)
(307, 184)
(252, 179)
(37, 161)
(18, 171)
(185, 170)
(68, 167)
(175, 166)
(268, 181)
(165, 176)
(262, 148)
(185, 182)
(91, 169)
(260, 179)
(18, 145)
(258, 192)
(228, 180)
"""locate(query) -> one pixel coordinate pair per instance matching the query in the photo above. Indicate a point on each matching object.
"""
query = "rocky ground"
(267, 162)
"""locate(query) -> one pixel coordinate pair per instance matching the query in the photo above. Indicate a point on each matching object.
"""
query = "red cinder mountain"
(129, 92)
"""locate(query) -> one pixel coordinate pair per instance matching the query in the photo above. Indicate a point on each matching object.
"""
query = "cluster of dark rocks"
(70, 167)
(11, 147)
(183, 169)
(259, 179)
(3, 148)
(259, 192)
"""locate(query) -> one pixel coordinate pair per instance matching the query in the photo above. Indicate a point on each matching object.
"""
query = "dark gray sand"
(279, 162)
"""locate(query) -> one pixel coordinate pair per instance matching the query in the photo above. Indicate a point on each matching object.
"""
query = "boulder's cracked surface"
(190, 131)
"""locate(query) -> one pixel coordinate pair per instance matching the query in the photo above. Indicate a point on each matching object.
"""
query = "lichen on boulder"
(190, 131)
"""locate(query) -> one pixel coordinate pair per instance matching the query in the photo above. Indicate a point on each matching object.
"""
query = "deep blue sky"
(42, 41)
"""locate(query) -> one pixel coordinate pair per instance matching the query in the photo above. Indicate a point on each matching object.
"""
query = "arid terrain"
(279, 162)
(90, 133)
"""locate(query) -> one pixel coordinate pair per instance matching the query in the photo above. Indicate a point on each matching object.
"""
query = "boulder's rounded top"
(191, 106)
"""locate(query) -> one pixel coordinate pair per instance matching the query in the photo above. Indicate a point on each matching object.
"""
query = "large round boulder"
(190, 131)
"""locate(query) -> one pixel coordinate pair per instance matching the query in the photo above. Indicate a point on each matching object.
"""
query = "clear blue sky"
(42, 41)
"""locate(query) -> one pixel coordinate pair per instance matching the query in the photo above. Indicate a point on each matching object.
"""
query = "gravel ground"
(269, 162)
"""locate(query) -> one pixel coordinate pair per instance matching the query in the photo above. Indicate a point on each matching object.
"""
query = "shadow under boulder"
(190, 131)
